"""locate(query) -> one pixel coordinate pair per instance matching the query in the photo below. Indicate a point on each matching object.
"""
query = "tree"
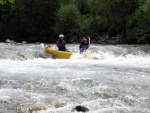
(67, 20)
(30, 20)
(6, 1)
(139, 22)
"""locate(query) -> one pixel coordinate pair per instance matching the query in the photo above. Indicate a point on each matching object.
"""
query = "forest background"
(105, 21)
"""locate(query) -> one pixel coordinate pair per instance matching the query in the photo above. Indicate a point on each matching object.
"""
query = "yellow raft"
(57, 53)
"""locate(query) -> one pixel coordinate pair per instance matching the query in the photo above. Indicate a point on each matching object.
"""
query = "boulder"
(80, 108)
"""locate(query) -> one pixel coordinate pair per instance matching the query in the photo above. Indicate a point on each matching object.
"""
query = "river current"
(115, 79)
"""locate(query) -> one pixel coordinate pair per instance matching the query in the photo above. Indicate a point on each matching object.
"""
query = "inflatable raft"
(57, 53)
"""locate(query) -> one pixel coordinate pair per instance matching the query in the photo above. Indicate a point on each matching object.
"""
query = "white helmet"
(61, 35)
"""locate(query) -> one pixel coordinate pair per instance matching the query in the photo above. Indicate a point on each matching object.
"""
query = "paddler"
(84, 45)
(61, 43)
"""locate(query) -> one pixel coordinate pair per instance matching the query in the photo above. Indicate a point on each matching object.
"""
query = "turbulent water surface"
(115, 79)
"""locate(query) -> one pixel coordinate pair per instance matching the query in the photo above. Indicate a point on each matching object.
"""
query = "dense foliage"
(42, 20)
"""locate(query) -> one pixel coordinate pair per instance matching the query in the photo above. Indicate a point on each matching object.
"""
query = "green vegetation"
(43, 20)
(6, 1)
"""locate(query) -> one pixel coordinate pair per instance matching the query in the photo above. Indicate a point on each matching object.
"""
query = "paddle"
(89, 51)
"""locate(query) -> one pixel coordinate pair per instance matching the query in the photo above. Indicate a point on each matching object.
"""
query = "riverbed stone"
(80, 108)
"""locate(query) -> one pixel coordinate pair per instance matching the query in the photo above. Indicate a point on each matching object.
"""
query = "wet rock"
(80, 108)
(37, 42)
(37, 107)
(24, 42)
(58, 104)
(10, 41)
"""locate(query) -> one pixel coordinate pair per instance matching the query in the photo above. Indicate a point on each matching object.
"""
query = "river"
(115, 79)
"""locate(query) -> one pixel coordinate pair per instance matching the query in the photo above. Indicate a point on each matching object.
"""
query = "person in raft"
(61, 43)
(84, 45)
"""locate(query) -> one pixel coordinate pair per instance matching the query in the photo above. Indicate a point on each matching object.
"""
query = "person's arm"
(64, 42)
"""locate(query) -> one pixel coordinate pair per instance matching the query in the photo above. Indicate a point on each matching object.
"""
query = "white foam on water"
(113, 79)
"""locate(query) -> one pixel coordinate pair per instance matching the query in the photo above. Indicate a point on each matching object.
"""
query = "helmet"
(61, 35)
(84, 39)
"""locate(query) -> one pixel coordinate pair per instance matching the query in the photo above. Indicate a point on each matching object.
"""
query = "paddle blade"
(89, 52)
